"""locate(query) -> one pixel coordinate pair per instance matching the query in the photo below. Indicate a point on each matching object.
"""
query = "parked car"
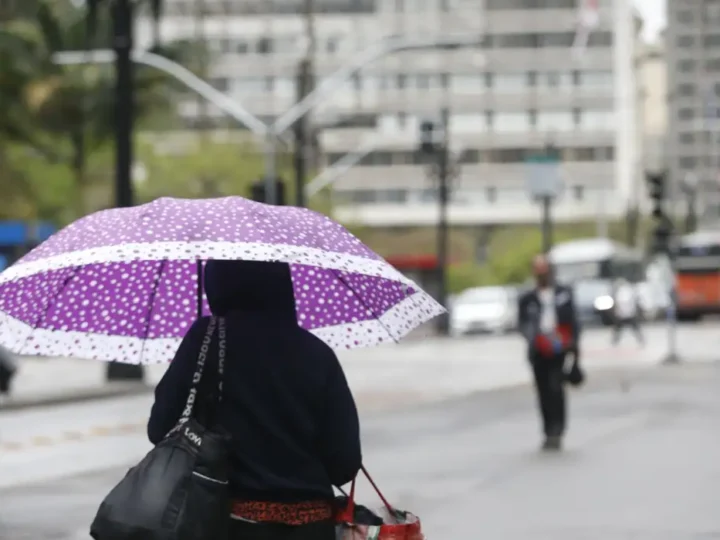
(484, 310)
(594, 301)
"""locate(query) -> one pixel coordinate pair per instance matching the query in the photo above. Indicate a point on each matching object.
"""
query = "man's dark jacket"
(286, 401)
(530, 311)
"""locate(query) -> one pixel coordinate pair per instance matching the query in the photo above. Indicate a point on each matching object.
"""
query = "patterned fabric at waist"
(300, 513)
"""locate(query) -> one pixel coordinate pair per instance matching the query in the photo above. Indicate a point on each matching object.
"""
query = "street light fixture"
(272, 132)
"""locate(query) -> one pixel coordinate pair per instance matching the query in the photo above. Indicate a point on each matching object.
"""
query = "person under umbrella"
(286, 404)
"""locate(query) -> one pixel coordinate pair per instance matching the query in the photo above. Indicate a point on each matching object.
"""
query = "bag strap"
(199, 368)
(213, 405)
(350, 508)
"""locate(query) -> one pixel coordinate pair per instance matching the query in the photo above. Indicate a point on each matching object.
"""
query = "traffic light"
(427, 136)
(657, 193)
(258, 193)
(663, 232)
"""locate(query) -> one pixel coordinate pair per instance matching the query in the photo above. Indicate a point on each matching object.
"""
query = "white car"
(483, 310)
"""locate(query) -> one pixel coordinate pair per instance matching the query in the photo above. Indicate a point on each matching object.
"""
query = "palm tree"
(67, 113)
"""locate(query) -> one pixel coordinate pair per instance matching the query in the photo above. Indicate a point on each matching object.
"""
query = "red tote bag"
(400, 525)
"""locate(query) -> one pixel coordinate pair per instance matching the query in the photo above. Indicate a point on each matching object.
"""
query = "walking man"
(549, 324)
(626, 312)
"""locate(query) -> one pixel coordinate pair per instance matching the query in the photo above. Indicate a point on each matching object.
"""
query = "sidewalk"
(421, 370)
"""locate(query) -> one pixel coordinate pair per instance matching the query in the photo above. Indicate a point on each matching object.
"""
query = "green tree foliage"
(62, 115)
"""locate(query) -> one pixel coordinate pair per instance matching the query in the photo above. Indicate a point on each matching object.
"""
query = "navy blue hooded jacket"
(286, 401)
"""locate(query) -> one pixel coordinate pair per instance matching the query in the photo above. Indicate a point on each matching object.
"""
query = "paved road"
(641, 463)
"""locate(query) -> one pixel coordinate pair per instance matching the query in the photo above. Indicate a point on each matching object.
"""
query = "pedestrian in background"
(548, 322)
(626, 312)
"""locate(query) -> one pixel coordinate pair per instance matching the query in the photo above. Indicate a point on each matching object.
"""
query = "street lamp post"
(270, 133)
(545, 186)
(443, 172)
(122, 20)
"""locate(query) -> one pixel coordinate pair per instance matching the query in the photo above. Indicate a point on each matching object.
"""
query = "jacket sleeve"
(523, 319)
(172, 391)
(575, 326)
(340, 435)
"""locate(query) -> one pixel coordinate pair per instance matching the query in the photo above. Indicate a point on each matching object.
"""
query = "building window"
(399, 6)
(422, 82)
(688, 162)
(532, 78)
(444, 80)
(490, 120)
(489, 80)
(265, 46)
(686, 65)
(686, 113)
(221, 83)
(511, 122)
(559, 39)
(713, 65)
(712, 40)
(332, 45)
(510, 82)
(686, 41)
(532, 117)
(401, 81)
(578, 192)
(687, 138)
(491, 194)
(685, 16)
(577, 116)
(596, 79)
(686, 89)
(552, 78)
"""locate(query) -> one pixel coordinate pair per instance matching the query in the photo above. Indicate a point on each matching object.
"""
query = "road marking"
(66, 437)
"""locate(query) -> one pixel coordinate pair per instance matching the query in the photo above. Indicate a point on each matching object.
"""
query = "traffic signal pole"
(661, 244)
(442, 226)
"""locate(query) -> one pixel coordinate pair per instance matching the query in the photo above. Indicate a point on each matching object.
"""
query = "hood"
(250, 286)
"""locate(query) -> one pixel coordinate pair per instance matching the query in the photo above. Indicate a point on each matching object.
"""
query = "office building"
(693, 57)
(521, 89)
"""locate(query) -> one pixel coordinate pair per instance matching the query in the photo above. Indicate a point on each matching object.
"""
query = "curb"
(108, 391)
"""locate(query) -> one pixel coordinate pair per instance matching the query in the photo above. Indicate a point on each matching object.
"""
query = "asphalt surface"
(642, 461)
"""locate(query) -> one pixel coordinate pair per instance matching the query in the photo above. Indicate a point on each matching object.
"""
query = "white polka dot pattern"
(108, 290)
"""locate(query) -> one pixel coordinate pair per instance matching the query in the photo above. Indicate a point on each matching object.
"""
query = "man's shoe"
(552, 443)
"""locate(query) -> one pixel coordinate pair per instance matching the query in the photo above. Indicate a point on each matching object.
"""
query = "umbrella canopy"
(121, 284)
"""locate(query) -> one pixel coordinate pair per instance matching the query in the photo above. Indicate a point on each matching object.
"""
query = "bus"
(19, 237)
(596, 259)
(697, 281)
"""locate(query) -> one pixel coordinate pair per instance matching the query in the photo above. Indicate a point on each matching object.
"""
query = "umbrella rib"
(153, 294)
(43, 315)
(362, 301)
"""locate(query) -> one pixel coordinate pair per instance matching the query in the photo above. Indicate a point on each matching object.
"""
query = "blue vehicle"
(19, 237)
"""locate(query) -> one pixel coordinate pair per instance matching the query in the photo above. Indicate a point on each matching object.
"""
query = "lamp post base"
(117, 371)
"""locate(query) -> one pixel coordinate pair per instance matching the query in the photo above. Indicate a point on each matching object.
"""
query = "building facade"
(520, 89)
(693, 56)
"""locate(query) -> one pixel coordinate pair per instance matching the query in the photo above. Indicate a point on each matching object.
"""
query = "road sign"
(543, 176)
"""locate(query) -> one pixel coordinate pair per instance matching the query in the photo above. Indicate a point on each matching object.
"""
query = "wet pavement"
(642, 461)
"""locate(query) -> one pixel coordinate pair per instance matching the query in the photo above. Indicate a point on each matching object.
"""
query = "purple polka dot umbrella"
(122, 284)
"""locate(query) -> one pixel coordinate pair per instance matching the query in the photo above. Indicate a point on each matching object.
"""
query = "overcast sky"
(654, 13)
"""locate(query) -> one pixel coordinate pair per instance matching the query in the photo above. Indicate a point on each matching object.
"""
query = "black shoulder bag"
(179, 491)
